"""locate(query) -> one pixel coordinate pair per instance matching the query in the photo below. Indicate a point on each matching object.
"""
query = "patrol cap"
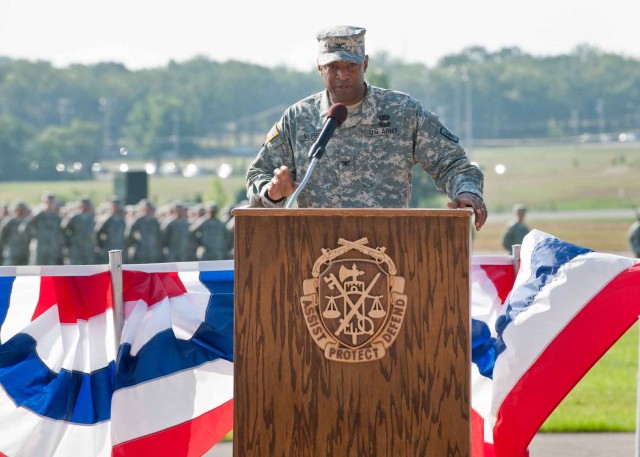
(20, 204)
(146, 203)
(341, 43)
(519, 207)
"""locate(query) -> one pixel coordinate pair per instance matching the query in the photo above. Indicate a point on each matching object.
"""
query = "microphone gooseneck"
(336, 115)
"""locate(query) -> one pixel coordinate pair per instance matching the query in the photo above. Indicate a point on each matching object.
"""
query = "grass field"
(546, 179)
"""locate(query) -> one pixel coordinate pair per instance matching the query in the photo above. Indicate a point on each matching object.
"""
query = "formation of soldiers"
(79, 234)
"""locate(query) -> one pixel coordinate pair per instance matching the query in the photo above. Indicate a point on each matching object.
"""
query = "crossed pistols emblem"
(354, 308)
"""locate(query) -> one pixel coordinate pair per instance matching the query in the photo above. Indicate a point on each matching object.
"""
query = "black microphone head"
(339, 112)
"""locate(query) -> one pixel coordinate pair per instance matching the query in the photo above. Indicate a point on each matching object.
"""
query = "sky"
(148, 34)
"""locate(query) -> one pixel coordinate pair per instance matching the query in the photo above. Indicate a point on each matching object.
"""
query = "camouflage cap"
(20, 204)
(146, 203)
(341, 43)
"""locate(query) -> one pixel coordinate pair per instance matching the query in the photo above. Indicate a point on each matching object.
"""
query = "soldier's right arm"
(275, 152)
(131, 233)
(32, 226)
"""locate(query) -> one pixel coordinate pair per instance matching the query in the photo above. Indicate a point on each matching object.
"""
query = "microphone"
(335, 117)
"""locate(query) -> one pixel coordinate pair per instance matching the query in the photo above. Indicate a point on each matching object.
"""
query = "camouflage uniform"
(144, 237)
(516, 229)
(514, 234)
(15, 239)
(634, 238)
(78, 231)
(176, 238)
(45, 228)
(210, 233)
(369, 160)
(109, 236)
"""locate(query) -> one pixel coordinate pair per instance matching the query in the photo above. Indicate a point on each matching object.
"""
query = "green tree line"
(76, 116)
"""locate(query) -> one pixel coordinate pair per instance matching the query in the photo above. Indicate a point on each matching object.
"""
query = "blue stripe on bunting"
(546, 259)
(79, 398)
(218, 281)
(6, 284)
(164, 354)
(548, 256)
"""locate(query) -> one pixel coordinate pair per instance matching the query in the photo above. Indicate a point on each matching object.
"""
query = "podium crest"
(354, 307)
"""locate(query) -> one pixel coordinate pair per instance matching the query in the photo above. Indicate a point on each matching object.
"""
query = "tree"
(62, 152)
(14, 138)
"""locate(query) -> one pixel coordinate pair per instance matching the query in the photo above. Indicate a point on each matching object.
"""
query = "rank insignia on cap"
(447, 134)
(273, 133)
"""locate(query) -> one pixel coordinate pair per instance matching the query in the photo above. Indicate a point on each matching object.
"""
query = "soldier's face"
(344, 80)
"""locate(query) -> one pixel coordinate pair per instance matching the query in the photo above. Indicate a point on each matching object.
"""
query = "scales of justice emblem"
(354, 307)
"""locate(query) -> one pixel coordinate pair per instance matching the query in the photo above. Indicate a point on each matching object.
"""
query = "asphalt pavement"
(543, 445)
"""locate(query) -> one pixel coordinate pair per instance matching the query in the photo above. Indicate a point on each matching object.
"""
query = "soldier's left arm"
(440, 154)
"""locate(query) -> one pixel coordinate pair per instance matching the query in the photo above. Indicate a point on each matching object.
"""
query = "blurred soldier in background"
(230, 226)
(14, 238)
(144, 237)
(516, 229)
(634, 235)
(78, 227)
(210, 233)
(45, 228)
(109, 233)
(175, 236)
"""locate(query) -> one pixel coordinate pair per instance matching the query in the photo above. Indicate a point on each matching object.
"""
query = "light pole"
(105, 109)
(468, 108)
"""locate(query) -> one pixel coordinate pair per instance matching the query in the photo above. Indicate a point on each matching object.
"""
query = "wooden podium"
(352, 332)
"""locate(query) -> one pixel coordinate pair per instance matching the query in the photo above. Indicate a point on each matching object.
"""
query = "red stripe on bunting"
(151, 287)
(600, 323)
(502, 277)
(77, 297)
(189, 439)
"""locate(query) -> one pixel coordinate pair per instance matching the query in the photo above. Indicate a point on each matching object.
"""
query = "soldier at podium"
(369, 160)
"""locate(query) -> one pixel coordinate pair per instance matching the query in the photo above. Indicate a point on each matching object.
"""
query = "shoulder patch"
(447, 134)
(273, 133)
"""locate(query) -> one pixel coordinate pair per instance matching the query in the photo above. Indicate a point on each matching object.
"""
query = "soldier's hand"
(281, 184)
(469, 200)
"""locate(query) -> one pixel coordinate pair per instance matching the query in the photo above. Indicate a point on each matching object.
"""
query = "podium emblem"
(354, 306)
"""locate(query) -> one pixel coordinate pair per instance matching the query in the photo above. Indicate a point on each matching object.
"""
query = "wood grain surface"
(289, 400)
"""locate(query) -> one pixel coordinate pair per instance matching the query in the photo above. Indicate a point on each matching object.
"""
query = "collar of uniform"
(365, 114)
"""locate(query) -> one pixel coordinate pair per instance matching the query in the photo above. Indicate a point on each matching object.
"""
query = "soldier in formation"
(14, 238)
(78, 227)
(210, 235)
(144, 236)
(79, 234)
(45, 228)
(109, 232)
(176, 243)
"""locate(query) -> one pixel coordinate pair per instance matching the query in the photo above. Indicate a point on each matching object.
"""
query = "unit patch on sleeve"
(447, 134)
(273, 133)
